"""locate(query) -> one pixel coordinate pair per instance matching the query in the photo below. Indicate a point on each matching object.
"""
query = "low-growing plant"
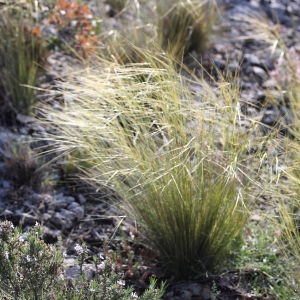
(264, 268)
(164, 151)
(31, 269)
(20, 57)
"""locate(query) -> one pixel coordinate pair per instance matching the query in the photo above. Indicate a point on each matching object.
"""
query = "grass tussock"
(20, 57)
(176, 27)
(185, 25)
(178, 169)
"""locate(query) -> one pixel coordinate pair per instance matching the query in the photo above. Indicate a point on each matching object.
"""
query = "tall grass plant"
(183, 26)
(20, 56)
(179, 171)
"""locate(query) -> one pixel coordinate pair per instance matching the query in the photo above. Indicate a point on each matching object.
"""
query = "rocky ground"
(78, 214)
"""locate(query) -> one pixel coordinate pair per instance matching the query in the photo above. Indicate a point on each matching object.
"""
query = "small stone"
(69, 261)
(64, 219)
(79, 212)
(186, 295)
(25, 119)
(252, 59)
(169, 296)
(196, 289)
(81, 199)
(206, 293)
(5, 184)
(270, 83)
(46, 216)
(220, 48)
(233, 66)
(36, 198)
(61, 203)
(69, 199)
(255, 218)
(72, 205)
(74, 272)
(3, 193)
(260, 72)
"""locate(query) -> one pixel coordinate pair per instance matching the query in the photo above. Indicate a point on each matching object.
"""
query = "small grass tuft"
(22, 166)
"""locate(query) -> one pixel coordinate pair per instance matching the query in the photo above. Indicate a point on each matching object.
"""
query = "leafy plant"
(20, 57)
(177, 168)
(30, 269)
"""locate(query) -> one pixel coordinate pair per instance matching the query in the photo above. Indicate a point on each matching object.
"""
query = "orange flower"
(36, 31)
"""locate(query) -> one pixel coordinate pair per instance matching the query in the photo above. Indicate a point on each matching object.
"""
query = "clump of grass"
(120, 45)
(20, 57)
(176, 27)
(174, 159)
(185, 25)
(117, 5)
(23, 166)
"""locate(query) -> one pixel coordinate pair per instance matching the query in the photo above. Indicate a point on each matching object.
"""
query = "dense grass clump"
(178, 170)
(20, 57)
(185, 25)
(176, 27)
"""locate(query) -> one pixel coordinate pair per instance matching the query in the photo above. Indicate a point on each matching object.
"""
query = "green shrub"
(30, 269)
(174, 159)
